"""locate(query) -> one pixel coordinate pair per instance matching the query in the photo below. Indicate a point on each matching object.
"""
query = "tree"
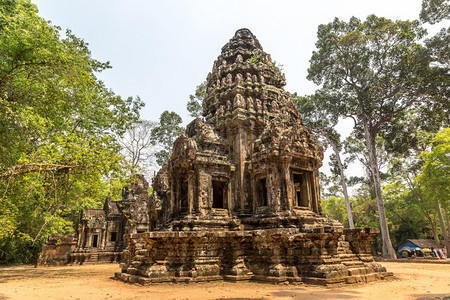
(137, 147)
(436, 178)
(165, 133)
(407, 208)
(58, 128)
(322, 123)
(434, 11)
(375, 70)
(194, 105)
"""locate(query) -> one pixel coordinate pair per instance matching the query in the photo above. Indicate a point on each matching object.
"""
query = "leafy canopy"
(435, 177)
(194, 105)
(58, 124)
(165, 133)
(371, 67)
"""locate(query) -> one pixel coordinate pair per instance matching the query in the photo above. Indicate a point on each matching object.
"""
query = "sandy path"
(412, 281)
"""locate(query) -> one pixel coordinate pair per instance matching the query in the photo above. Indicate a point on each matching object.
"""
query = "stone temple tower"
(273, 153)
(239, 198)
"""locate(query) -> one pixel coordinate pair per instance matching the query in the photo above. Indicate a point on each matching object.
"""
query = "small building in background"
(100, 231)
(420, 245)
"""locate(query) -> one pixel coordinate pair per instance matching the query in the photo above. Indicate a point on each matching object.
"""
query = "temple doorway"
(218, 194)
(262, 192)
(95, 241)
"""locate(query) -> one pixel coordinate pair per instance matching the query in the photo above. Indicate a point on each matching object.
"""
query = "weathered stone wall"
(272, 255)
(55, 251)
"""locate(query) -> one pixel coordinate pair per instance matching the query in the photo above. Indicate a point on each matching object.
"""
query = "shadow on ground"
(433, 296)
(2, 297)
(302, 293)
(29, 272)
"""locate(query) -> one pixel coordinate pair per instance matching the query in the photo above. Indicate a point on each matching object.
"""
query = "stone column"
(172, 199)
(191, 184)
(316, 207)
(309, 198)
(254, 185)
(240, 159)
(273, 182)
(229, 202)
(288, 182)
(104, 237)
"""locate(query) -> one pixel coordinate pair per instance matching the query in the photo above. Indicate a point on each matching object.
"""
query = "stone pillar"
(81, 235)
(104, 236)
(289, 185)
(316, 207)
(228, 199)
(191, 185)
(254, 185)
(273, 182)
(173, 187)
(240, 159)
(308, 191)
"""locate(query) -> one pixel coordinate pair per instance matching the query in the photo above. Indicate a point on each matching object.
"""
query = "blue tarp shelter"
(418, 244)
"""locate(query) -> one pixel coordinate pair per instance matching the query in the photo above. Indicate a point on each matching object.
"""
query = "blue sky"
(161, 50)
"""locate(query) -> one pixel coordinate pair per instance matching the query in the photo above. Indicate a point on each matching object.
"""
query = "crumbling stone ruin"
(56, 250)
(100, 231)
(239, 198)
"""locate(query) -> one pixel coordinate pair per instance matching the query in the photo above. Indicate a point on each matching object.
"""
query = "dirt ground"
(411, 281)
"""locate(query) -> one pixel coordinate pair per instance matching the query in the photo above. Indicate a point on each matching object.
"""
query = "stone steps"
(93, 257)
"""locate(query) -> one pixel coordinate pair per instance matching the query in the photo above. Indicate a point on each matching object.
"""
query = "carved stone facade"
(239, 198)
(100, 231)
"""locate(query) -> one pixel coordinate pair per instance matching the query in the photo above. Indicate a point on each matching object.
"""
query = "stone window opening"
(113, 236)
(301, 190)
(94, 242)
(262, 192)
(218, 194)
(183, 196)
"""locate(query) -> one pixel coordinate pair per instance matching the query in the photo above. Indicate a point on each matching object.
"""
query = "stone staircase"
(94, 257)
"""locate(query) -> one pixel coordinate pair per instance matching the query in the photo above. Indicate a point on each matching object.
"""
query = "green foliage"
(255, 58)
(371, 69)
(165, 134)
(439, 47)
(58, 124)
(435, 177)
(318, 118)
(407, 219)
(334, 207)
(434, 11)
(194, 105)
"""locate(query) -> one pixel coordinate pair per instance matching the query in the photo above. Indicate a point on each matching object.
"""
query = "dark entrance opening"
(301, 188)
(262, 192)
(95, 241)
(297, 189)
(218, 194)
(113, 236)
(184, 196)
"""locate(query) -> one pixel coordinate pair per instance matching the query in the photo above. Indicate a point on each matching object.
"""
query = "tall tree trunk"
(443, 227)
(448, 224)
(417, 191)
(433, 226)
(388, 250)
(343, 182)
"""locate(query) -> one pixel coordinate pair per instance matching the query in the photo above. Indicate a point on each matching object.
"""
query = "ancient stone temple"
(100, 231)
(239, 198)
